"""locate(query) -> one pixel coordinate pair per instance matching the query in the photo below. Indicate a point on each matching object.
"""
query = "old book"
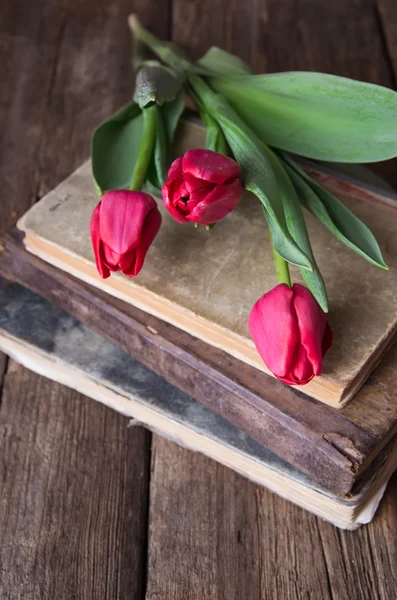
(334, 448)
(206, 282)
(61, 348)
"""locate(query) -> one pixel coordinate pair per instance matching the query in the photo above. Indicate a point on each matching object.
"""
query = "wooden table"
(89, 508)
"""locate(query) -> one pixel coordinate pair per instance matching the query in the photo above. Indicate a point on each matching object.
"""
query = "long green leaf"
(258, 175)
(214, 138)
(219, 62)
(172, 112)
(168, 116)
(159, 162)
(166, 51)
(317, 115)
(115, 148)
(361, 174)
(335, 215)
(297, 228)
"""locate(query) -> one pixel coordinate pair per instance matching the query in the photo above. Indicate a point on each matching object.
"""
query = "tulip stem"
(166, 51)
(146, 148)
(282, 269)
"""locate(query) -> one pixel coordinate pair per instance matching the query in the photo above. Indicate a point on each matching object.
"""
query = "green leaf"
(156, 83)
(317, 115)
(334, 215)
(166, 51)
(360, 174)
(219, 62)
(168, 116)
(297, 227)
(172, 112)
(257, 173)
(158, 164)
(115, 148)
(214, 140)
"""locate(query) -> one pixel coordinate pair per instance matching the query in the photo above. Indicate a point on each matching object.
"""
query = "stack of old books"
(171, 348)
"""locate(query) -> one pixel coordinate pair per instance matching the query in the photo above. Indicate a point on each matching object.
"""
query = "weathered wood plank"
(215, 535)
(74, 478)
(74, 490)
(30, 54)
(362, 565)
(67, 67)
(299, 35)
(387, 22)
(246, 38)
(93, 77)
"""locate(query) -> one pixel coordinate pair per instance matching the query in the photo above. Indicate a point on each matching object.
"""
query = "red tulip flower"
(291, 333)
(123, 225)
(202, 187)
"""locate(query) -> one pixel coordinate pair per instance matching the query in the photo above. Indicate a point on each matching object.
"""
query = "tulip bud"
(202, 187)
(123, 225)
(291, 333)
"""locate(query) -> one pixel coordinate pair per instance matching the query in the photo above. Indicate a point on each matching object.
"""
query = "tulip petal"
(274, 329)
(131, 264)
(122, 214)
(175, 184)
(293, 381)
(103, 270)
(209, 166)
(302, 371)
(127, 263)
(173, 190)
(291, 333)
(175, 172)
(214, 206)
(327, 339)
(112, 258)
(152, 226)
(167, 193)
(312, 323)
(198, 185)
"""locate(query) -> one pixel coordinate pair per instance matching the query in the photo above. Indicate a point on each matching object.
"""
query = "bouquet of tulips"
(261, 121)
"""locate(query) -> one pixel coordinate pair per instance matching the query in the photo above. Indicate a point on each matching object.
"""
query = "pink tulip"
(202, 187)
(123, 226)
(291, 333)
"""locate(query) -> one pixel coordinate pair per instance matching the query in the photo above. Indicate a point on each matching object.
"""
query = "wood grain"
(299, 35)
(93, 77)
(73, 478)
(74, 490)
(67, 66)
(387, 22)
(254, 545)
(327, 37)
(30, 55)
(215, 535)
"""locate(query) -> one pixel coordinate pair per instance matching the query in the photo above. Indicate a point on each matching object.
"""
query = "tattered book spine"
(320, 442)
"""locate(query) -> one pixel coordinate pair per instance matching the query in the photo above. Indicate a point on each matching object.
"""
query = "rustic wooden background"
(90, 509)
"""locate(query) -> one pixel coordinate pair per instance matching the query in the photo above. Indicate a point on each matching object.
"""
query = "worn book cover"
(207, 282)
(335, 448)
(47, 340)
